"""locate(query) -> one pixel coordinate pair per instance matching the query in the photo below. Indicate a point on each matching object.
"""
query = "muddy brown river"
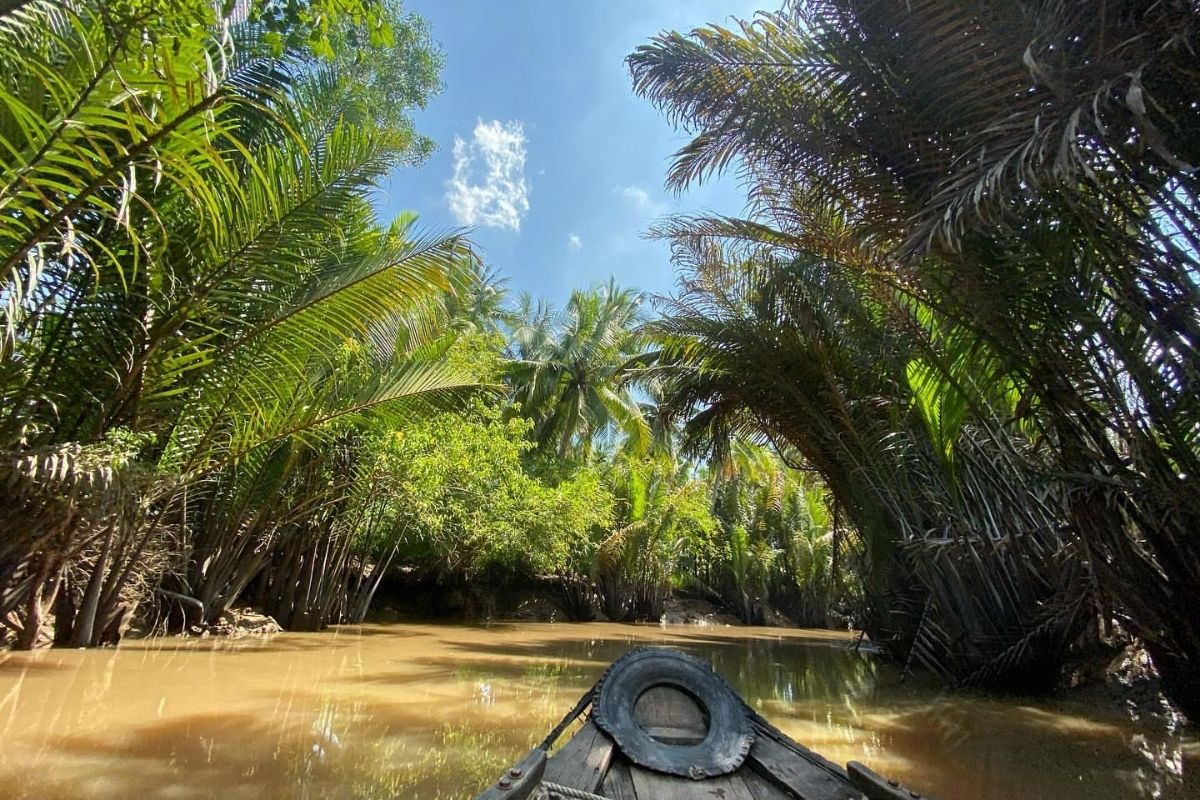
(435, 711)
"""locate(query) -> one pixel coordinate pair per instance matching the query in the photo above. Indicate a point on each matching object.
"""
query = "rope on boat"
(554, 791)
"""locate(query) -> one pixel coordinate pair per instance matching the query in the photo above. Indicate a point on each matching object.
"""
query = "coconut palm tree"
(478, 303)
(574, 374)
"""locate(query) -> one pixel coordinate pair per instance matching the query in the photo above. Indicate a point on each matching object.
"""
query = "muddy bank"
(238, 623)
(408, 597)
(678, 610)
(1123, 680)
(536, 605)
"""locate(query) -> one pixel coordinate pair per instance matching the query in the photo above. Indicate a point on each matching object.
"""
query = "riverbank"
(408, 596)
(535, 605)
(1125, 682)
(1117, 681)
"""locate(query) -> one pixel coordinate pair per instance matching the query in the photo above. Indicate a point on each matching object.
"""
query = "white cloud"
(640, 199)
(637, 194)
(488, 187)
(574, 243)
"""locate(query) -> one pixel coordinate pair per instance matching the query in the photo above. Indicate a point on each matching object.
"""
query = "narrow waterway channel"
(425, 711)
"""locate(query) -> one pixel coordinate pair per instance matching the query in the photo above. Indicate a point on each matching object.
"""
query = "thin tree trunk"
(362, 602)
(835, 567)
(64, 611)
(85, 618)
(28, 637)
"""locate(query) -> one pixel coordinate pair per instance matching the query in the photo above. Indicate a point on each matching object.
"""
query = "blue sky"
(547, 81)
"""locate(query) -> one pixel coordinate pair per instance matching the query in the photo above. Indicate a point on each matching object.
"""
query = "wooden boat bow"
(664, 725)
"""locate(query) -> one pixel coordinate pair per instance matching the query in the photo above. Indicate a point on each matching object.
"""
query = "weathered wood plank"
(582, 761)
(763, 789)
(728, 787)
(518, 782)
(655, 786)
(674, 735)
(788, 767)
(874, 786)
(618, 783)
(666, 706)
(765, 728)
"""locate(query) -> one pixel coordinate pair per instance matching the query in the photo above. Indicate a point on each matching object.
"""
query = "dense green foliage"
(779, 539)
(978, 224)
(200, 309)
(468, 506)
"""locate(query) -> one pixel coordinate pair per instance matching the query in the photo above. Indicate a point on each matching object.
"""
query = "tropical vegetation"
(938, 383)
(203, 317)
(973, 247)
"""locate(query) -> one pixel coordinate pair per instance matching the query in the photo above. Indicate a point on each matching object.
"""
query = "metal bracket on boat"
(519, 781)
(874, 787)
(730, 734)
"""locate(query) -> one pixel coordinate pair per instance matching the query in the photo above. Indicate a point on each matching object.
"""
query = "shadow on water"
(435, 711)
(759, 668)
(27, 662)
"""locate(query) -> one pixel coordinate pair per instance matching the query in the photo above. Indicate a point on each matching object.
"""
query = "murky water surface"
(436, 711)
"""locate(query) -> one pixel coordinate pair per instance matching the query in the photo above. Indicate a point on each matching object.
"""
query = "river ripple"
(435, 711)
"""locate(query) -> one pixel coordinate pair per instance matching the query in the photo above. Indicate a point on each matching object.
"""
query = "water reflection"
(436, 711)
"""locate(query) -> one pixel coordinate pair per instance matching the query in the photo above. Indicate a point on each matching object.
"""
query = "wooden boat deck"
(592, 764)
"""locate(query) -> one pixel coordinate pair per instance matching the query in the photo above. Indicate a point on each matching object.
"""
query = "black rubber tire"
(730, 734)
